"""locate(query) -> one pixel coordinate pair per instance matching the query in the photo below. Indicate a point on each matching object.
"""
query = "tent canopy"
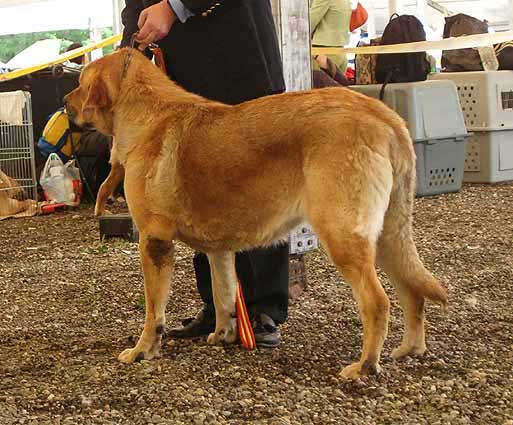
(49, 15)
(25, 16)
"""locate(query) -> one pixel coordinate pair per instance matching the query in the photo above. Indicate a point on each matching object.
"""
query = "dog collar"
(152, 46)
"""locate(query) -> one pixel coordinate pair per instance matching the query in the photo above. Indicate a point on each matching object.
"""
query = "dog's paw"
(408, 350)
(226, 334)
(131, 355)
(98, 212)
(357, 370)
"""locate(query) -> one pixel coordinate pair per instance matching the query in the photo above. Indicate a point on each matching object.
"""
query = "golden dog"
(228, 178)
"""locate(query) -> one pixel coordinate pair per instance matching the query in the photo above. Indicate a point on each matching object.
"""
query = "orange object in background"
(358, 17)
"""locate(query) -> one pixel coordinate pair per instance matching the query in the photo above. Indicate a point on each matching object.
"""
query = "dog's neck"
(147, 85)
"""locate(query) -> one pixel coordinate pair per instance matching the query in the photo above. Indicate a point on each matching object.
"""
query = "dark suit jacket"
(228, 51)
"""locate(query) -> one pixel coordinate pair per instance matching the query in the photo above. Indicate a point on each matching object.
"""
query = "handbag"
(461, 60)
(365, 65)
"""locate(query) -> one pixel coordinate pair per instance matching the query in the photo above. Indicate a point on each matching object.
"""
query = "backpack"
(58, 137)
(462, 59)
(402, 67)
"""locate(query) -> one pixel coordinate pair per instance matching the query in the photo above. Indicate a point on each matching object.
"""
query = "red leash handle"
(246, 335)
(159, 57)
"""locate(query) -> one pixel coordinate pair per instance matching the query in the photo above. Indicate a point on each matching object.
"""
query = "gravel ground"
(69, 304)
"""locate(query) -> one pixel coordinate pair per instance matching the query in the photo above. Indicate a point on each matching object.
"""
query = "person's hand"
(322, 60)
(154, 23)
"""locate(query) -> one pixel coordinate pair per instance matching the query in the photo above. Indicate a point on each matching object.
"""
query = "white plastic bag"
(52, 179)
(61, 183)
(73, 183)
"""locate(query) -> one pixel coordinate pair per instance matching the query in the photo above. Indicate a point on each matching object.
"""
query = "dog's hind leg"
(354, 257)
(115, 177)
(347, 215)
(398, 257)
(224, 287)
(157, 257)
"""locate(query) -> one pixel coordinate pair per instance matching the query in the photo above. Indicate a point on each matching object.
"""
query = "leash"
(159, 57)
(154, 48)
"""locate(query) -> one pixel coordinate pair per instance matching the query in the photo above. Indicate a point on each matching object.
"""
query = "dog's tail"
(397, 253)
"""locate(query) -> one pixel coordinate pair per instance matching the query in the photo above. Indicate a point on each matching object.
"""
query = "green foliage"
(106, 33)
(140, 302)
(11, 45)
(99, 249)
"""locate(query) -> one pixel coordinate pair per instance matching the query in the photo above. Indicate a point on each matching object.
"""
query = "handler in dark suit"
(225, 50)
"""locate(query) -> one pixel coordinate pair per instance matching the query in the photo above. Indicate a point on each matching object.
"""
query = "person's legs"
(263, 273)
(264, 276)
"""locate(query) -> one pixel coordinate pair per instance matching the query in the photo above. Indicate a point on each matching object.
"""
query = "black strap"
(388, 78)
(394, 15)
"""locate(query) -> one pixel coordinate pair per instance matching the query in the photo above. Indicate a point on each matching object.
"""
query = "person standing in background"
(225, 50)
(329, 27)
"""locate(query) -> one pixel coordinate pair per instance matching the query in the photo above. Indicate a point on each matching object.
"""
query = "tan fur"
(227, 178)
(107, 188)
(10, 190)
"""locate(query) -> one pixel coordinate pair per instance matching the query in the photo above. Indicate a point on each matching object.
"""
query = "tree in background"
(11, 45)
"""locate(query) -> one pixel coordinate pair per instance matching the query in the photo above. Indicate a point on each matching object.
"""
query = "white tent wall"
(21, 16)
(117, 7)
(510, 14)
(24, 16)
(498, 13)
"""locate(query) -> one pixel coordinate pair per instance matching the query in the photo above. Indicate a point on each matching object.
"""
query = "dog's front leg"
(115, 177)
(157, 258)
(224, 287)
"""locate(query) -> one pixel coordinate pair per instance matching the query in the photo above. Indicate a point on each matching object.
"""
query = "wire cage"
(18, 184)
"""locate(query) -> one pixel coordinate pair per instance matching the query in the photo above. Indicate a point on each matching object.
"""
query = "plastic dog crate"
(302, 239)
(440, 165)
(489, 157)
(434, 118)
(486, 98)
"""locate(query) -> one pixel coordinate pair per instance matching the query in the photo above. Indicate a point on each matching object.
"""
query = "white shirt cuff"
(181, 12)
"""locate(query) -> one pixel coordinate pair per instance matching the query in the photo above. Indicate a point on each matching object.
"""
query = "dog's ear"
(97, 97)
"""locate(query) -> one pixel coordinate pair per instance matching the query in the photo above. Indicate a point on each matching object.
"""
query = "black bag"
(461, 60)
(402, 67)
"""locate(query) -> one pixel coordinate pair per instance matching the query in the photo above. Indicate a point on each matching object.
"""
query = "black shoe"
(195, 327)
(267, 334)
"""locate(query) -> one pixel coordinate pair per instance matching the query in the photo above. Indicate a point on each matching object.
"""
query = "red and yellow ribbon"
(246, 335)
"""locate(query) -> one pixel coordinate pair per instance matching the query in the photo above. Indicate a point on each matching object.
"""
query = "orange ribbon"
(246, 335)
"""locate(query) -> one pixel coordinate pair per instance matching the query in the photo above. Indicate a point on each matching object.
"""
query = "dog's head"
(100, 81)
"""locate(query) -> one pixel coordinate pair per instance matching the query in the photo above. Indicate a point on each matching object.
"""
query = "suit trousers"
(264, 277)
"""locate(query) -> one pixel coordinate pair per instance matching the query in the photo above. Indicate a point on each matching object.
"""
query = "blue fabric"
(181, 12)
(46, 149)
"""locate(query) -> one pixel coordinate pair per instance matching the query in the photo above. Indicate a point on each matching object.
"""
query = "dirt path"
(69, 304)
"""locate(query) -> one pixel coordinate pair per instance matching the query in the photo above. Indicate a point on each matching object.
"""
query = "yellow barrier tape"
(61, 58)
(468, 41)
